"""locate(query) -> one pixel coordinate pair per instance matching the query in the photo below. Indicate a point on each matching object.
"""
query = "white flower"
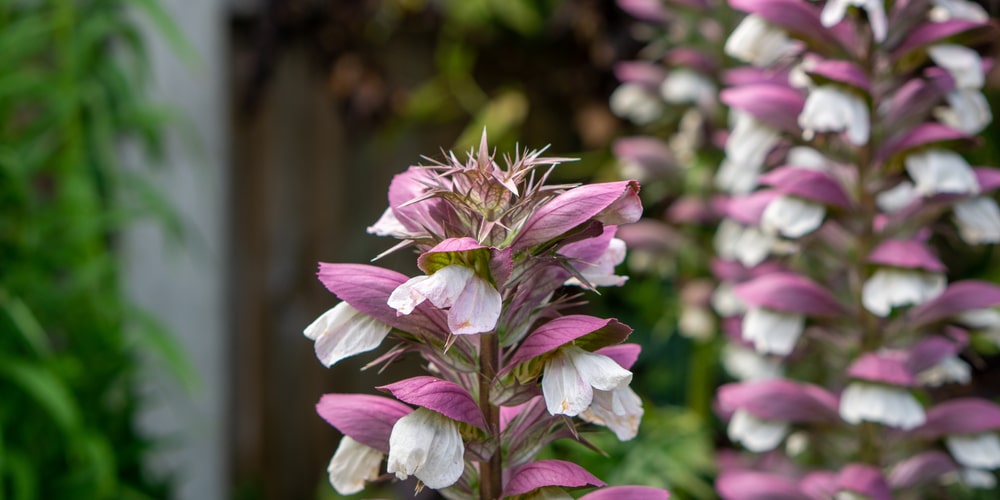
(967, 111)
(428, 445)
(792, 217)
(747, 364)
(474, 302)
(683, 86)
(888, 405)
(725, 302)
(834, 10)
(343, 331)
(602, 272)
(808, 158)
(978, 220)
(981, 319)
(353, 463)
(978, 451)
(758, 42)
(755, 434)
(747, 244)
(962, 63)
(619, 410)
(941, 171)
(891, 287)
(829, 109)
(897, 198)
(946, 10)
(772, 332)
(696, 322)
(635, 103)
(746, 149)
(571, 376)
(950, 369)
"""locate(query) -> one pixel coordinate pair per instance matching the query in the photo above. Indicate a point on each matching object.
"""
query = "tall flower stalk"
(510, 369)
(859, 112)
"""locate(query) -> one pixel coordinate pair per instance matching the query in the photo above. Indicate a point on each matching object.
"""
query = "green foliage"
(71, 75)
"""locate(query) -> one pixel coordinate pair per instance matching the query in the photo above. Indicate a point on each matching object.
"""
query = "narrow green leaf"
(25, 323)
(45, 389)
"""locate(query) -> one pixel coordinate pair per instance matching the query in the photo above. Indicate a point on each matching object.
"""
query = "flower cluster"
(843, 172)
(507, 365)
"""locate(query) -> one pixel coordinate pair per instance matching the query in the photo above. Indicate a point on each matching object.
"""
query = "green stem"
(490, 472)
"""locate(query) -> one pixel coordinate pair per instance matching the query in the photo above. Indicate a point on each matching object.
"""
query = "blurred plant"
(71, 80)
(508, 368)
(844, 321)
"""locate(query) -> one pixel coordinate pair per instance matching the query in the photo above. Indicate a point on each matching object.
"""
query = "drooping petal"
(829, 109)
(476, 309)
(758, 42)
(891, 406)
(940, 171)
(636, 103)
(834, 10)
(792, 217)
(962, 63)
(684, 86)
(979, 451)
(619, 410)
(748, 364)
(967, 111)
(352, 465)
(543, 473)
(978, 220)
(343, 331)
(772, 332)
(365, 418)
(755, 434)
(564, 389)
(611, 203)
(428, 445)
(889, 288)
(598, 370)
(441, 288)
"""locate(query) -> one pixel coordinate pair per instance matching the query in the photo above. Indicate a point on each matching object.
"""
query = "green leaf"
(165, 24)
(49, 392)
(152, 337)
(25, 323)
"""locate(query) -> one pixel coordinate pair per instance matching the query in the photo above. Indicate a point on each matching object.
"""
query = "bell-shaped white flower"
(978, 451)
(946, 10)
(887, 405)
(474, 303)
(602, 272)
(748, 364)
(967, 111)
(829, 109)
(746, 149)
(962, 63)
(428, 445)
(758, 42)
(978, 220)
(892, 287)
(635, 103)
(896, 198)
(572, 374)
(353, 463)
(792, 217)
(951, 369)
(772, 332)
(619, 410)
(685, 86)
(940, 171)
(834, 10)
(755, 434)
(343, 331)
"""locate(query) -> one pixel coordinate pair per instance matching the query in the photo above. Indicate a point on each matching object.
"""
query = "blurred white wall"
(182, 282)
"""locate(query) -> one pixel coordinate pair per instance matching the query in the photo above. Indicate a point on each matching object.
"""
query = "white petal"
(476, 309)
(949, 370)
(941, 171)
(633, 102)
(979, 479)
(806, 157)
(891, 406)
(353, 463)
(406, 297)
(758, 42)
(829, 109)
(755, 434)
(389, 225)
(602, 272)
(833, 12)
(792, 217)
(896, 198)
(967, 111)
(619, 410)
(343, 331)
(683, 86)
(725, 301)
(754, 246)
(444, 286)
(565, 391)
(945, 10)
(746, 149)
(772, 331)
(598, 370)
(891, 287)
(981, 319)
(747, 364)
(962, 63)
(696, 322)
(428, 445)
(979, 451)
(978, 220)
